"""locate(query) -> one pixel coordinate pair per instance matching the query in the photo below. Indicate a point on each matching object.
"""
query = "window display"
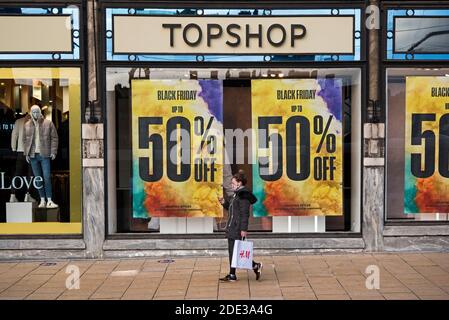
(417, 167)
(176, 136)
(40, 158)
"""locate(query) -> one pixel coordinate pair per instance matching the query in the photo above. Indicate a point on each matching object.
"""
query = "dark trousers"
(22, 169)
(231, 243)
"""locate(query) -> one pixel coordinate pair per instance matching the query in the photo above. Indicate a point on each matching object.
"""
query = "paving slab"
(409, 276)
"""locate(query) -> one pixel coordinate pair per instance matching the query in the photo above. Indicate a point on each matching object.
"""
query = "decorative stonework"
(374, 144)
(93, 145)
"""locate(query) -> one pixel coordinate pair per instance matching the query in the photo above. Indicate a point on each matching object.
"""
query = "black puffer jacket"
(238, 209)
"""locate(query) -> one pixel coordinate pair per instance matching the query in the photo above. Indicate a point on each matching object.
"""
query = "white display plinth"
(200, 225)
(154, 224)
(19, 212)
(432, 216)
(187, 225)
(299, 224)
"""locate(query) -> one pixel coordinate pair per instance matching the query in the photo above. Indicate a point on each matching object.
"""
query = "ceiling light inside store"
(233, 74)
(245, 74)
(222, 74)
(204, 74)
(276, 73)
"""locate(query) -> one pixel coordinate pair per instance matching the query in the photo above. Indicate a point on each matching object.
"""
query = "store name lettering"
(275, 34)
(18, 182)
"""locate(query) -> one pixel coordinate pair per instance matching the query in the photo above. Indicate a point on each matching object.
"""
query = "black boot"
(229, 278)
(258, 270)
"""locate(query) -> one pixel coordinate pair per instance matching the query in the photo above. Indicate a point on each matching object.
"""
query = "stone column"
(91, 58)
(93, 156)
(374, 140)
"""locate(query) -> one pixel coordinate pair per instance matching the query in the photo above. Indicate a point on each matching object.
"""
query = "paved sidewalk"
(402, 276)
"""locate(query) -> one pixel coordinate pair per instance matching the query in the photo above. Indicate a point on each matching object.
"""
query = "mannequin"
(40, 144)
(17, 146)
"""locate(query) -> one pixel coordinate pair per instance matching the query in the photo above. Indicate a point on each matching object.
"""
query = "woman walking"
(237, 225)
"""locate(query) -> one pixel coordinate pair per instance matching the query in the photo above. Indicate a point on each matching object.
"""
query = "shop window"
(40, 169)
(308, 182)
(417, 181)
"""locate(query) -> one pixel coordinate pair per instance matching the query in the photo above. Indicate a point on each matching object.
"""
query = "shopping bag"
(242, 256)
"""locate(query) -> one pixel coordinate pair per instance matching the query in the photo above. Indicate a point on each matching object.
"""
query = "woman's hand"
(221, 200)
(243, 234)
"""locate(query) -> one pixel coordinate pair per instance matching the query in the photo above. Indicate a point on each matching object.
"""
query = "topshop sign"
(143, 34)
(275, 34)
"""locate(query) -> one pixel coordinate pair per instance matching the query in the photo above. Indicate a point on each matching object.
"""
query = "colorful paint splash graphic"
(430, 194)
(167, 198)
(309, 197)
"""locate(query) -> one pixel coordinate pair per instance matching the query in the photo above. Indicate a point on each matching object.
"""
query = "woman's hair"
(240, 177)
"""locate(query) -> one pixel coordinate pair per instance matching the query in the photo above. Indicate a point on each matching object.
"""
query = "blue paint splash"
(212, 94)
(331, 94)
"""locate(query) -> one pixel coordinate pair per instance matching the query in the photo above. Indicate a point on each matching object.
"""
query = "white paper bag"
(242, 256)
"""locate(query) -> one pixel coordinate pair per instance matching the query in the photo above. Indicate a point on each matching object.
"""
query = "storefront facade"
(413, 77)
(316, 103)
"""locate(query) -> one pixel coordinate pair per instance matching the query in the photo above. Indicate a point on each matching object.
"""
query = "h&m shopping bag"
(242, 256)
